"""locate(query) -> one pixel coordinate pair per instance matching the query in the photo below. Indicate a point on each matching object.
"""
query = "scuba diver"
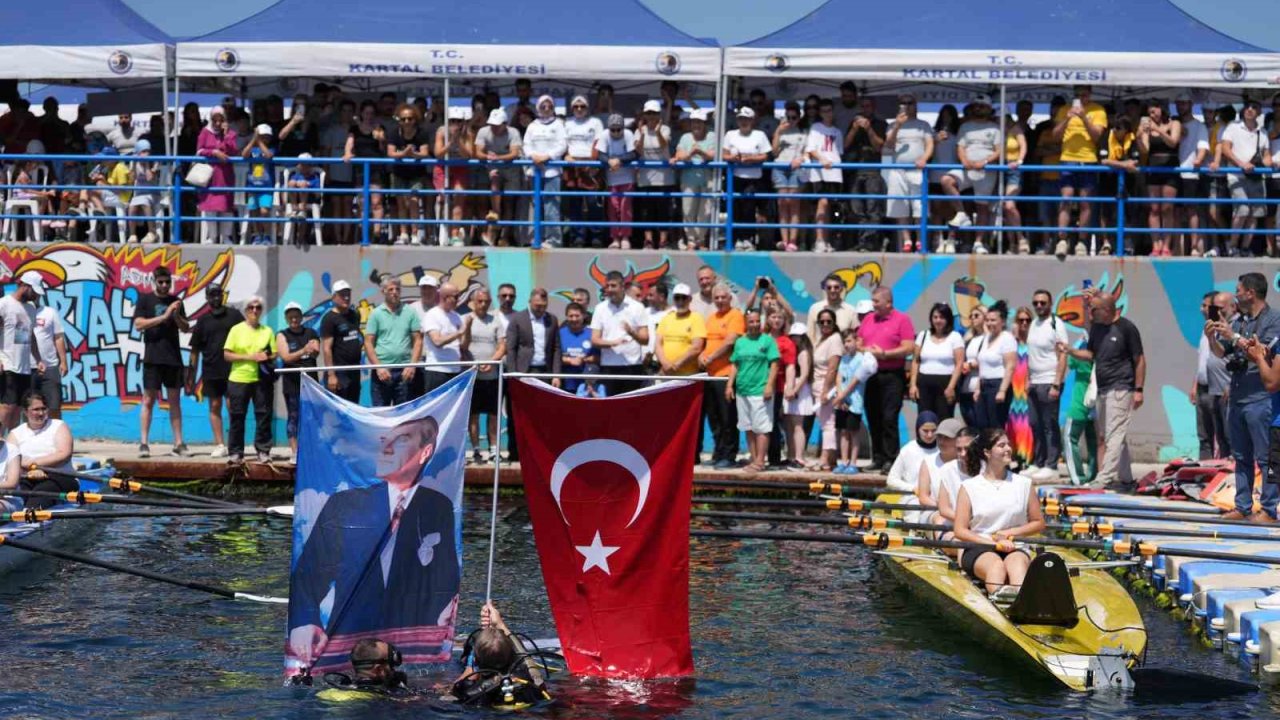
(376, 664)
(502, 670)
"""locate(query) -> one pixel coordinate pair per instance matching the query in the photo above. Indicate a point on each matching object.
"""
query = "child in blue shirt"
(260, 182)
(855, 368)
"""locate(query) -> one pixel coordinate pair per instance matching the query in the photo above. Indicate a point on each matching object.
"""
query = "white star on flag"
(596, 554)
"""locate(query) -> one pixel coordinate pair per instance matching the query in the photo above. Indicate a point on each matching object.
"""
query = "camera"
(1237, 362)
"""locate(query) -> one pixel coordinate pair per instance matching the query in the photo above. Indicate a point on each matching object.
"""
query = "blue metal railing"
(534, 222)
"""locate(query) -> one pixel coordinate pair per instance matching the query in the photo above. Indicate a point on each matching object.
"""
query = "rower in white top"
(43, 443)
(941, 474)
(995, 505)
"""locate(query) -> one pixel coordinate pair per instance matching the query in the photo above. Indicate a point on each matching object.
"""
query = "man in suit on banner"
(380, 560)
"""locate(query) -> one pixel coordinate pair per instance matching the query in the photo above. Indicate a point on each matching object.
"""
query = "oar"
(135, 486)
(857, 505)
(1107, 529)
(1207, 510)
(138, 572)
(878, 541)
(92, 498)
(828, 504)
(815, 487)
(31, 515)
(855, 521)
(1067, 511)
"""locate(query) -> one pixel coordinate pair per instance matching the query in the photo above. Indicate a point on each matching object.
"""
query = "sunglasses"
(1023, 320)
(1040, 303)
(253, 307)
(579, 107)
(163, 281)
(407, 119)
(506, 297)
(344, 293)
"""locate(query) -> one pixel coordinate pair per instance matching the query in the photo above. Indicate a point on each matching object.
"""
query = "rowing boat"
(48, 533)
(1071, 619)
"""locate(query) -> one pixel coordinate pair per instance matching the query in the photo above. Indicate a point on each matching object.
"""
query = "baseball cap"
(746, 112)
(263, 130)
(143, 145)
(32, 278)
(428, 281)
(457, 113)
(579, 100)
(340, 286)
(652, 106)
(497, 116)
(698, 114)
(304, 156)
(1182, 97)
(981, 99)
(682, 289)
(950, 427)
(292, 306)
(863, 307)
(616, 121)
(798, 328)
(110, 151)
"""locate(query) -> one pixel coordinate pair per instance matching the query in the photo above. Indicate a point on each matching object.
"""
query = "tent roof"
(79, 40)
(1155, 26)
(571, 39)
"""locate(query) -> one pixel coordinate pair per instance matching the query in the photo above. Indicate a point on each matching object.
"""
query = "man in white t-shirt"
(977, 145)
(620, 328)
(1193, 150)
(1047, 367)
(445, 333)
(1244, 145)
(846, 318)
(824, 145)
(51, 348)
(747, 148)
(582, 132)
(909, 142)
(17, 353)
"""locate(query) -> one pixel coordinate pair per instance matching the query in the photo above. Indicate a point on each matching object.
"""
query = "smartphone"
(762, 282)
(1077, 105)
(1086, 284)
(902, 109)
(1215, 313)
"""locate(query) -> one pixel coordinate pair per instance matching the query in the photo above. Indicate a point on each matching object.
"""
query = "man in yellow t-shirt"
(1078, 126)
(682, 333)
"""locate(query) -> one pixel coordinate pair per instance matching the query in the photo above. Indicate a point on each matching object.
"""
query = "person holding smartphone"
(1078, 127)
(1209, 391)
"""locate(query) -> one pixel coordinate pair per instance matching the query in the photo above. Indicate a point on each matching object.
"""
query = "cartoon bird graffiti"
(1070, 305)
(464, 276)
(851, 275)
(60, 265)
(967, 293)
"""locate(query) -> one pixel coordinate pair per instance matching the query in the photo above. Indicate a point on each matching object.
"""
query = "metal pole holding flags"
(497, 467)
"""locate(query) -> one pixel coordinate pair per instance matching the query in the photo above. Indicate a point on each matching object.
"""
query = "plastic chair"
(293, 205)
(9, 229)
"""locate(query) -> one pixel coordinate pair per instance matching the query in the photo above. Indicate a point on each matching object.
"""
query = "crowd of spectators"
(648, 166)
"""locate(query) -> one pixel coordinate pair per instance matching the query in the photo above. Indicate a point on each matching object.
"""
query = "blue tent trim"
(71, 23)
(1151, 26)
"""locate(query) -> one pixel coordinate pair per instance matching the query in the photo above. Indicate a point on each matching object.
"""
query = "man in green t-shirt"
(1080, 426)
(392, 336)
(752, 374)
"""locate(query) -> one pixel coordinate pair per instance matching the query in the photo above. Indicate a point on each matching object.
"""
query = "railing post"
(1120, 203)
(367, 195)
(175, 206)
(923, 240)
(537, 207)
(728, 208)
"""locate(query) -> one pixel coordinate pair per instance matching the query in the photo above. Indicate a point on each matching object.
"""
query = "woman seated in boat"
(905, 471)
(10, 472)
(995, 505)
(941, 474)
(47, 443)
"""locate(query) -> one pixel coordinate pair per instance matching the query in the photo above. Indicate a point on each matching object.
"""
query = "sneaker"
(403, 239)
(1060, 249)
(133, 238)
(415, 239)
(1106, 248)
(485, 457)
(144, 450)
(949, 247)
(235, 460)
(979, 248)
(180, 450)
(475, 457)
(1045, 475)
(1081, 249)
(1030, 470)
(457, 241)
(723, 464)
(960, 220)
(293, 457)
(1270, 602)
(682, 244)
(614, 245)
(1024, 247)
(908, 246)
(264, 457)
(1211, 252)
(149, 238)
(219, 451)
(625, 244)
(792, 247)
(841, 469)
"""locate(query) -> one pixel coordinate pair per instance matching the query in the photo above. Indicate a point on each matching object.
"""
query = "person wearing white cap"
(747, 148)
(17, 352)
(143, 203)
(260, 184)
(582, 130)
(617, 148)
(454, 143)
(682, 334)
(545, 141)
(977, 145)
(299, 346)
(410, 142)
(341, 343)
(696, 148)
(657, 179)
(497, 142)
(1193, 148)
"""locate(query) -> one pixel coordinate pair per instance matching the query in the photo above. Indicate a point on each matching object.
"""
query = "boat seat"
(1251, 624)
(1233, 610)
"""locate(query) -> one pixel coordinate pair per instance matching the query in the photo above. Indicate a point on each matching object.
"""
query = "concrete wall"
(94, 288)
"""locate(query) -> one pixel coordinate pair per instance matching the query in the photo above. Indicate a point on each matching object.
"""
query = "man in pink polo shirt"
(888, 335)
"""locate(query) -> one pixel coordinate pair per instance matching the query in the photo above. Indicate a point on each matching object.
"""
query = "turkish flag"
(608, 483)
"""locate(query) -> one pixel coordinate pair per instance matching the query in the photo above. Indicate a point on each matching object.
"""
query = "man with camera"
(1249, 415)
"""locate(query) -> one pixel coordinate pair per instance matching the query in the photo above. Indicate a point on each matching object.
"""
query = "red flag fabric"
(608, 482)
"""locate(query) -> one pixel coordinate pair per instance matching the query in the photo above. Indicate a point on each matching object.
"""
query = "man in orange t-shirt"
(724, 325)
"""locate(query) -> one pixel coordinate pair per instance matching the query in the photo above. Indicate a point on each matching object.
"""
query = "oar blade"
(1161, 686)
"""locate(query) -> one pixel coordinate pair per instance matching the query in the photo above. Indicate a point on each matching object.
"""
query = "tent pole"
(448, 229)
(1004, 143)
(721, 102)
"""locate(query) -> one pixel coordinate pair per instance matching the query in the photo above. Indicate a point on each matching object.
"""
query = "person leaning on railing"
(1159, 136)
(747, 148)
(1079, 127)
(1244, 145)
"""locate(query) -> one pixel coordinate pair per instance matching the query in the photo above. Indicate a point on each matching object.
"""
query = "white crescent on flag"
(613, 451)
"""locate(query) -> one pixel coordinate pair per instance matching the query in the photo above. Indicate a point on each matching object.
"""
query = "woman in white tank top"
(995, 505)
(42, 440)
(940, 475)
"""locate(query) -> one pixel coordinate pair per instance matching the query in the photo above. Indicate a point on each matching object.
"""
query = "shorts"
(1194, 187)
(1081, 181)
(970, 558)
(848, 420)
(49, 385)
(903, 182)
(13, 386)
(484, 397)
(155, 376)
(1218, 188)
(755, 414)
(457, 177)
(1244, 189)
(143, 200)
(416, 184)
(786, 179)
(1162, 179)
(983, 184)
(214, 387)
(1012, 180)
(110, 200)
(259, 200)
(823, 187)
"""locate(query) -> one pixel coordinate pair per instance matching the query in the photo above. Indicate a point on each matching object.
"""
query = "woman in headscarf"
(217, 143)
(545, 140)
(905, 473)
